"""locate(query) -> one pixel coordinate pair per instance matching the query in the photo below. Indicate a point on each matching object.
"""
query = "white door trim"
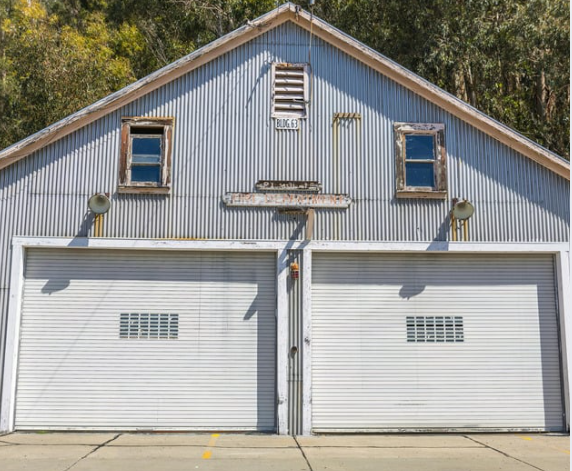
(20, 244)
(315, 245)
(8, 406)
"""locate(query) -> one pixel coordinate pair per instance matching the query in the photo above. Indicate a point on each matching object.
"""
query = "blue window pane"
(419, 174)
(419, 147)
(146, 173)
(146, 146)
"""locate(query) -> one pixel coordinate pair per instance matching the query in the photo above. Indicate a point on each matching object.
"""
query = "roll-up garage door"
(435, 342)
(147, 340)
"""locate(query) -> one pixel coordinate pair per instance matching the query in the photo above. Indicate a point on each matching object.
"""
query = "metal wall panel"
(77, 372)
(368, 373)
(224, 140)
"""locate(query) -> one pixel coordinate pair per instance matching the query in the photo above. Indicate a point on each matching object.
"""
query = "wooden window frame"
(285, 114)
(125, 183)
(439, 189)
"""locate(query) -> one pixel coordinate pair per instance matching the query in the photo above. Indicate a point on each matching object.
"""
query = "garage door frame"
(366, 379)
(560, 251)
(20, 245)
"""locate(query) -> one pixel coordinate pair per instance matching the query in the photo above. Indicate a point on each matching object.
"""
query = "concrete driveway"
(244, 452)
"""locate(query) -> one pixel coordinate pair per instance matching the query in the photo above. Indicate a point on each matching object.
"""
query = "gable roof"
(323, 30)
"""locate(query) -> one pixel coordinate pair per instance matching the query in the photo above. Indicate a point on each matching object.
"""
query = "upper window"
(145, 164)
(420, 160)
(289, 90)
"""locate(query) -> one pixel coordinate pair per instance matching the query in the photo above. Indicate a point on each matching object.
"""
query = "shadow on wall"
(438, 244)
(409, 291)
(53, 286)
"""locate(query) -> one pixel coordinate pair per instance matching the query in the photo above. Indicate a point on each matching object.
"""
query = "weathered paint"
(287, 200)
(296, 352)
(225, 141)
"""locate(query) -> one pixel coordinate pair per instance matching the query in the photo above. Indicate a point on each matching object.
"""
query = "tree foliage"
(508, 58)
(51, 70)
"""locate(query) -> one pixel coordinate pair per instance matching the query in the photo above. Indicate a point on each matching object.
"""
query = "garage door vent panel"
(149, 326)
(435, 329)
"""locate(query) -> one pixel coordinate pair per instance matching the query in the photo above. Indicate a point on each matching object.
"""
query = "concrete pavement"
(252, 452)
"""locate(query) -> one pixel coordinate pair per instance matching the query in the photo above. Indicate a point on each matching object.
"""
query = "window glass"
(146, 146)
(148, 326)
(146, 158)
(419, 174)
(146, 173)
(435, 329)
(419, 147)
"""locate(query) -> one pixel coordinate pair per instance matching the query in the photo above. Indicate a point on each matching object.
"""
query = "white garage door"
(435, 342)
(147, 340)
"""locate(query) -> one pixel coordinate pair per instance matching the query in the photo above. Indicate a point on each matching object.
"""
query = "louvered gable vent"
(289, 90)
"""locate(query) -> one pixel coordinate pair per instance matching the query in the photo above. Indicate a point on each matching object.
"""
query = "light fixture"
(99, 203)
(462, 210)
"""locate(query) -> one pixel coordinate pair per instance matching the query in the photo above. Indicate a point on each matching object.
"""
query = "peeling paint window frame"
(439, 188)
(164, 127)
(276, 113)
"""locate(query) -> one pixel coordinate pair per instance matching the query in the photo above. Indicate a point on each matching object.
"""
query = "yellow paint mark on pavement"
(557, 449)
(208, 453)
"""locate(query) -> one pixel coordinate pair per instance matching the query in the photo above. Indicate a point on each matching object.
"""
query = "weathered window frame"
(125, 183)
(285, 114)
(439, 188)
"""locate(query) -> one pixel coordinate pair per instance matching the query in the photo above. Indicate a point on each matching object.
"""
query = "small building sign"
(287, 123)
(287, 200)
(288, 185)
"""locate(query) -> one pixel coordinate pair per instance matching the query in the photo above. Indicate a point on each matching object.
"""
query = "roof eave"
(146, 85)
(436, 95)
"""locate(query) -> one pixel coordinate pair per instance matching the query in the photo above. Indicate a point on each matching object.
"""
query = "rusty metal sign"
(287, 200)
(288, 185)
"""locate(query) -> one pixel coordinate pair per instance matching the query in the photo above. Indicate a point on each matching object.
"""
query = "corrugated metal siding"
(77, 372)
(224, 140)
(503, 373)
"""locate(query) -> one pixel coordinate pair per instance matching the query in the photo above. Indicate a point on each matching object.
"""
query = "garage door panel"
(81, 365)
(371, 371)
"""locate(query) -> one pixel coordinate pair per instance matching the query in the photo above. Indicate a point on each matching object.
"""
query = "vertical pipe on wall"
(296, 345)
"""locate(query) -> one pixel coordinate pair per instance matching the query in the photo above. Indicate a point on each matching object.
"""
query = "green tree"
(51, 71)
(508, 58)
